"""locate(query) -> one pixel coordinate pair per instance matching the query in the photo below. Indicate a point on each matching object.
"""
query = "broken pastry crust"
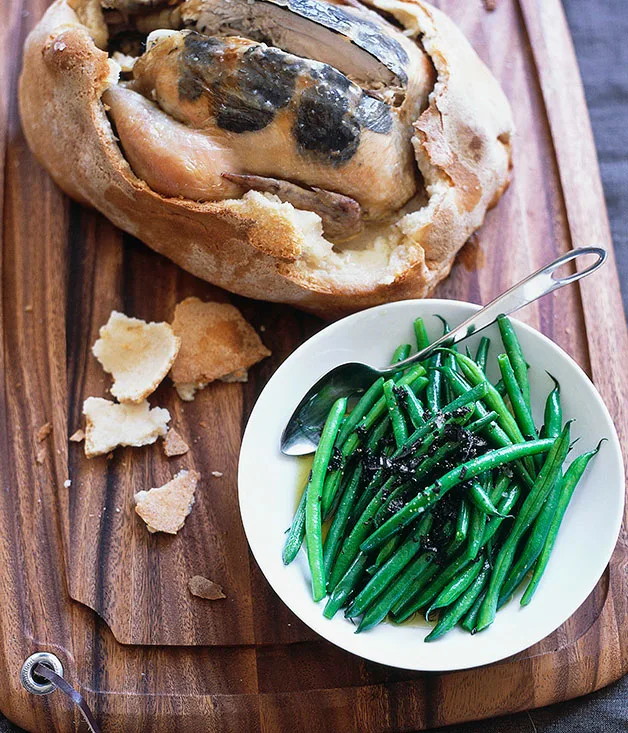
(109, 425)
(174, 445)
(256, 245)
(164, 509)
(205, 588)
(216, 343)
(137, 354)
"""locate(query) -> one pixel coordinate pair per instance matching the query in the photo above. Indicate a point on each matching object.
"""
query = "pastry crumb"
(109, 425)
(205, 588)
(165, 508)
(174, 445)
(67, 483)
(137, 354)
(217, 474)
(40, 456)
(216, 343)
(44, 431)
(78, 436)
(29, 308)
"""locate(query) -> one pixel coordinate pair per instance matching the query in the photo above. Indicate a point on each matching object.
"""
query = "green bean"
(482, 500)
(515, 354)
(533, 545)
(526, 515)
(386, 551)
(470, 620)
(569, 483)
(416, 570)
(427, 594)
(363, 406)
(449, 360)
(410, 591)
(433, 391)
(517, 400)
(505, 506)
(456, 587)
(483, 422)
(432, 493)
(401, 353)
(479, 517)
(339, 522)
(462, 523)
(378, 432)
(553, 413)
(413, 377)
(314, 496)
(420, 332)
(294, 540)
(345, 586)
(331, 484)
(494, 433)
(369, 492)
(476, 532)
(469, 397)
(390, 570)
(414, 408)
(481, 355)
(492, 398)
(351, 546)
(400, 429)
(463, 604)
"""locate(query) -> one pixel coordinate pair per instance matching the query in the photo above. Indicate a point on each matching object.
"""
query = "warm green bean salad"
(438, 492)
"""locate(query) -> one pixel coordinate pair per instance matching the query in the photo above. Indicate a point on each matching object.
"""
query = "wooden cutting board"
(80, 575)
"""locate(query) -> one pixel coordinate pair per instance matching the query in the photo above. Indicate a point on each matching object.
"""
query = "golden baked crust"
(256, 246)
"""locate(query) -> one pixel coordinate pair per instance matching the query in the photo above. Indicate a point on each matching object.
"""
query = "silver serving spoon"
(302, 433)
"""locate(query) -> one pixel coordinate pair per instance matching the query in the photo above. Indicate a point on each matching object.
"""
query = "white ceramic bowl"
(269, 483)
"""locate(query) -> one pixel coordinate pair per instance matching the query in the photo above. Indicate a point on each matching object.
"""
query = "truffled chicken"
(321, 118)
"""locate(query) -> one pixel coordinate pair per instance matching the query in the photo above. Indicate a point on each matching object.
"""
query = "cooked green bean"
(519, 406)
(294, 540)
(414, 408)
(400, 429)
(432, 493)
(462, 605)
(515, 354)
(482, 500)
(389, 571)
(456, 587)
(351, 546)
(533, 545)
(569, 483)
(416, 570)
(481, 355)
(462, 523)
(339, 522)
(314, 497)
(402, 352)
(470, 620)
(345, 586)
(494, 433)
(526, 515)
(492, 398)
(363, 406)
(434, 389)
(420, 332)
(553, 413)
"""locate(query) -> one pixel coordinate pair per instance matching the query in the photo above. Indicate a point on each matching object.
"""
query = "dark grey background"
(600, 33)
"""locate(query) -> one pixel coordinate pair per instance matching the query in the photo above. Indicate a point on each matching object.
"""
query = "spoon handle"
(526, 291)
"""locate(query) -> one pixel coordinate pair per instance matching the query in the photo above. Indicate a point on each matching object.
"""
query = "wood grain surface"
(81, 576)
